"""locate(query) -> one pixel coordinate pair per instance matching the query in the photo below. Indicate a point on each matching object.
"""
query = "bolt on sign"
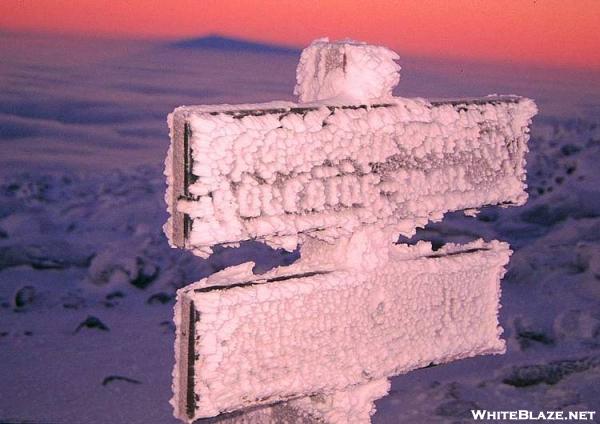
(342, 174)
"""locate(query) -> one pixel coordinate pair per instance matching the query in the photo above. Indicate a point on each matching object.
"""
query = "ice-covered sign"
(274, 171)
(343, 174)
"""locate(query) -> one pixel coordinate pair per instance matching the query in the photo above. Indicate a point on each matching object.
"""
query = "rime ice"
(346, 71)
(292, 332)
(342, 173)
(273, 171)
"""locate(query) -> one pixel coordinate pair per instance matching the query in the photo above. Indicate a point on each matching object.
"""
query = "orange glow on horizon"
(545, 32)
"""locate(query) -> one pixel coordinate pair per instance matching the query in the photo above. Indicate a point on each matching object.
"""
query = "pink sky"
(546, 32)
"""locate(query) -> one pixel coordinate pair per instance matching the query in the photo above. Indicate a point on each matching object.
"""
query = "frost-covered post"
(342, 174)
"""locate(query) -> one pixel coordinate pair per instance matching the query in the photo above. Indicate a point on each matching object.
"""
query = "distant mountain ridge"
(218, 42)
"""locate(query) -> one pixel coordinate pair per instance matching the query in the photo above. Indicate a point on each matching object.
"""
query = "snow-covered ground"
(87, 278)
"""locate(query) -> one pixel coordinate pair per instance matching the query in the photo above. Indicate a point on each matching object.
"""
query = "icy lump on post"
(342, 174)
(346, 71)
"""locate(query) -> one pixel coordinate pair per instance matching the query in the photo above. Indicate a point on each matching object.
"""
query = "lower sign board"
(281, 336)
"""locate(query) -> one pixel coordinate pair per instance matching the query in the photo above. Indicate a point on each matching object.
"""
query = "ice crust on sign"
(273, 171)
(346, 71)
(342, 173)
(355, 404)
(289, 333)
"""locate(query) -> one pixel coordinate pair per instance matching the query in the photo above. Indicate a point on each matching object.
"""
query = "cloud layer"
(88, 103)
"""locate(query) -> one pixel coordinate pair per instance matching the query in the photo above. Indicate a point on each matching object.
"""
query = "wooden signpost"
(317, 340)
